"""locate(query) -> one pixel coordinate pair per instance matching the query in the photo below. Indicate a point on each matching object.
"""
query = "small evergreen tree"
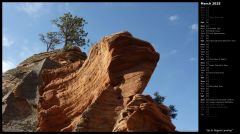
(160, 99)
(50, 39)
(71, 30)
(173, 111)
(157, 98)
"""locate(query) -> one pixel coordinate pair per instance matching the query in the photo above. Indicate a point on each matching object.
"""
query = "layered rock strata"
(100, 93)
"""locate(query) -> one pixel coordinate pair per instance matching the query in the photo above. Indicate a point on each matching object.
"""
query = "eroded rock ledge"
(100, 93)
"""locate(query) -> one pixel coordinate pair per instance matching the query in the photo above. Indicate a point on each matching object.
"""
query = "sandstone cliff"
(68, 91)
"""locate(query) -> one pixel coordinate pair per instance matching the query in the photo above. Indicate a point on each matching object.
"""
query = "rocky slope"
(20, 87)
(67, 91)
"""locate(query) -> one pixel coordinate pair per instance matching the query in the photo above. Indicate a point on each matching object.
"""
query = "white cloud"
(192, 59)
(194, 27)
(173, 18)
(7, 42)
(31, 9)
(174, 51)
(6, 65)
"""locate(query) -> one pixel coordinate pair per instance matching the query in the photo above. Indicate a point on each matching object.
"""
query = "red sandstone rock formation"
(142, 114)
(101, 93)
(20, 87)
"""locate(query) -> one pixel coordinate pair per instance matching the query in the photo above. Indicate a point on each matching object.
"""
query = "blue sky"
(172, 28)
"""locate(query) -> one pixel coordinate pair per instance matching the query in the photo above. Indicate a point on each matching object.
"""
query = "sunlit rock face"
(68, 91)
